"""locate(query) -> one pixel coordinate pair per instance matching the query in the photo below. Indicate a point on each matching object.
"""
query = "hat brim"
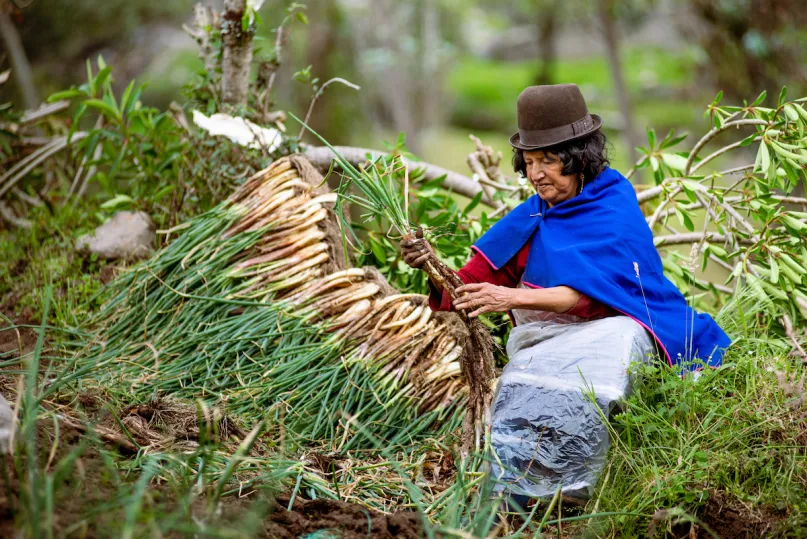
(515, 140)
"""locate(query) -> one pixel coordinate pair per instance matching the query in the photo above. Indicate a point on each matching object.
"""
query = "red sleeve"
(590, 308)
(477, 270)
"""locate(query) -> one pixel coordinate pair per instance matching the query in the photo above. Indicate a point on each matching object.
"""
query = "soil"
(347, 520)
(731, 519)
(9, 342)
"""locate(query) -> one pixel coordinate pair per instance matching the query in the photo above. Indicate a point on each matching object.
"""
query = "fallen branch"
(8, 215)
(25, 166)
(31, 116)
(321, 157)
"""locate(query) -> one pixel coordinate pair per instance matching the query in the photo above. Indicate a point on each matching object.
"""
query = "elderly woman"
(576, 268)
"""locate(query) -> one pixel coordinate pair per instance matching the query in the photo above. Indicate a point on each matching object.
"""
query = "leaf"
(117, 201)
(782, 95)
(133, 100)
(473, 204)
(785, 153)
(654, 163)
(689, 193)
(792, 264)
(774, 277)
(718, 98)
(760, 98)
(302, 17)
(674, 141)
(791, 113)
(104, 107)
(378, 250)
(124, 100)
(718, 251)
(674, 161)
(651, 137)
(65, 94)
(98, 82)
(800, 110)
(763, 158)
(747, 141)
(684, 219)
(159, 195)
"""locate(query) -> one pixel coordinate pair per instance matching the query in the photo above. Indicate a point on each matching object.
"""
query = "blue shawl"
(594, 243)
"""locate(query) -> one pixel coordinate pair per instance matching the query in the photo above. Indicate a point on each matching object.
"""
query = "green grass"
(682, 449)
(46, 254)
(733, 435)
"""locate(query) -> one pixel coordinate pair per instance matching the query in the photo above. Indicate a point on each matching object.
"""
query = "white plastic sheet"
(546, 429)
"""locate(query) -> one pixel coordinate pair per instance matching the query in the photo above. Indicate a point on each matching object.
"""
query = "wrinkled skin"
(545, 173)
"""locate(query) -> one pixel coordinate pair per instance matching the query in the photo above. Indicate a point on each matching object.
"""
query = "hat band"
(548, 137)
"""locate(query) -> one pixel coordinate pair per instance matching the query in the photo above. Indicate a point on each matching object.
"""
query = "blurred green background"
(440, 70)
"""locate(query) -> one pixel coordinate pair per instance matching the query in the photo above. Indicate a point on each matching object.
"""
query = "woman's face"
(545, 172)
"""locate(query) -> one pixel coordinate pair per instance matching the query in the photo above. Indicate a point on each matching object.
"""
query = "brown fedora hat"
(549, 115)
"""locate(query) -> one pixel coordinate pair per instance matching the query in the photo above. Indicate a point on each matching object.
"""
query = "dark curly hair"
(588, 155)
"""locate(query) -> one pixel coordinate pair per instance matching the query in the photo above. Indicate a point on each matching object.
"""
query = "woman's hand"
(484, 298)
(416, 252)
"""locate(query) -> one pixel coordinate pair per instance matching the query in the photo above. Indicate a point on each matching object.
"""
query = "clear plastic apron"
(564, 377)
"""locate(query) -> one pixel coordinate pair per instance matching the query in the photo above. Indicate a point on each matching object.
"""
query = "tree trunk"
(20, 67)
(547, 23)
(236, 54)
(609, 30)
(323, 47)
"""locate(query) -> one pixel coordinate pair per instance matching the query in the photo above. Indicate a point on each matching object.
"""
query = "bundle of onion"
(253, 306)
(373, 188)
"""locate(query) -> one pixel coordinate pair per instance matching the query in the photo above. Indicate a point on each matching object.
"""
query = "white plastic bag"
(545, 428)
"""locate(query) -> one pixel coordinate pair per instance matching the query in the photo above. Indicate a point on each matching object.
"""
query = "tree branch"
(694, 237)
(321, 157)
(712, 134)
(649, 194)
(719, 152)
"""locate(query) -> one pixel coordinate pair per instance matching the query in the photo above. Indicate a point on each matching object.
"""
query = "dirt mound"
(346, 520)
(729, 518)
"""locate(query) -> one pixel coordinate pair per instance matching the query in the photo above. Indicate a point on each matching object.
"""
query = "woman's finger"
(472, 287)
(481, 310)
(468, 301)
(419, 261)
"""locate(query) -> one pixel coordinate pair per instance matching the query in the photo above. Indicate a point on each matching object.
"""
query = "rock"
(6, 426)
(127, 235)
